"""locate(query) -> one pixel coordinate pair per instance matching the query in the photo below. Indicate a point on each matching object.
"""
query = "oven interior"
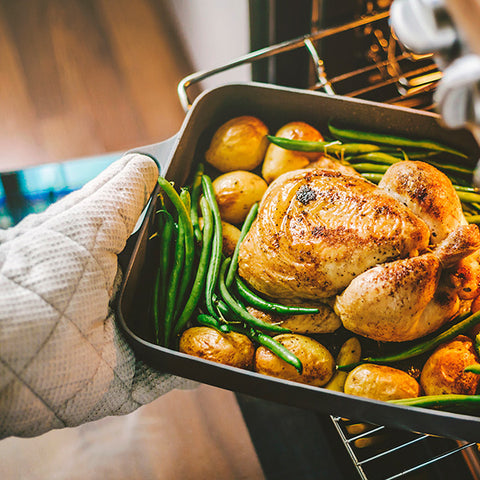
(341, 48)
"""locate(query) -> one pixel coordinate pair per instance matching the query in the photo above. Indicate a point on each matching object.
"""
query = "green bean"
(159, 294)
(271, 344)
(156, 302)
(238, 309)
(466, 322)
(414, 154)
(189, 246)
(179, 257)
(468, 197)
(370, 168)
(473, 219)
(224, 312)
(255, 301)
(279, 350)
(447, 167)
(196, 192)
(466, 188)
(183, 250)
(346, 135)
(373, 177)
(232, 270)
(378, 157)
(202, 268)
(475, 368)
(332, 148)
(216, 257)
(209, 321)
(441, 401)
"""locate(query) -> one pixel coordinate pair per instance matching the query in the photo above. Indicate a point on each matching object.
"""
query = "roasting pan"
(275, 106)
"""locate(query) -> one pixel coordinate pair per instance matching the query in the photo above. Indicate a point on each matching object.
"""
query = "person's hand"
(63, 361)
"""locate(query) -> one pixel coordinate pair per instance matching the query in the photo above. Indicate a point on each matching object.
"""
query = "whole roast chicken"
(384, 256)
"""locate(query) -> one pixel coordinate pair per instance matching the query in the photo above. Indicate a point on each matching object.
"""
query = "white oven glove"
(63, 360)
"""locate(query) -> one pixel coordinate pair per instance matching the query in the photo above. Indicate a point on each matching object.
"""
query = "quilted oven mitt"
(63, 361)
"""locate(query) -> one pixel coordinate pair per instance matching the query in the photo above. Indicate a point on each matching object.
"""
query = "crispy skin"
(428, 193)
(443, 371)
(397, 301)
(318, 229)
(403, 300)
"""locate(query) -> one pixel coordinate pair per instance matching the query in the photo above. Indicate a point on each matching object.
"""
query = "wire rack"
(389, 74)
(380, 453)
(386, 71)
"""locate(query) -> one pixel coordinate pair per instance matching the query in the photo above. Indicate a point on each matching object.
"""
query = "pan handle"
(160, 152)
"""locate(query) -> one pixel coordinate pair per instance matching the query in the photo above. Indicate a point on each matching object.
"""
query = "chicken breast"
(428, 193)
(316, 230)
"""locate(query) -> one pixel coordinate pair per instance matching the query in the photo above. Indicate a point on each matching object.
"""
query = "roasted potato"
(443, 371)
(278, 160)
(350, 352)
(230, 236)
(236, 192)
(318, 363)
(381, 382)
(232, 348)
(239, 144)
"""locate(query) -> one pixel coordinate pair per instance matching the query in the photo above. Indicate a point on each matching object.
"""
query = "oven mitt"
(63, 361)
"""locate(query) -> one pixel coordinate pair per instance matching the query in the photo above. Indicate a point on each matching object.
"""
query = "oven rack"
(369, 446)
(409, 73)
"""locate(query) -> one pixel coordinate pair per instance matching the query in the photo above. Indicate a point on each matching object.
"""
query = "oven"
(340, 48)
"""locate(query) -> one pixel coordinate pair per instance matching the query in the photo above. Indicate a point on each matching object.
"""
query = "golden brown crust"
(386, 302)
(429, 193)
(316, 230)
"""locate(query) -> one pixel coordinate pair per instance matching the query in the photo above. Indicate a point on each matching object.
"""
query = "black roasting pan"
(276, 106)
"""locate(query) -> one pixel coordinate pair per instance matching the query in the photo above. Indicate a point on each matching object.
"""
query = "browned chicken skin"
(401, 300)
(321, 233)
(428, 193)
(316, 230)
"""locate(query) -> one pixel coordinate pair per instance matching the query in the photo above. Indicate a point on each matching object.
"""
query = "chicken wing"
(428, 193)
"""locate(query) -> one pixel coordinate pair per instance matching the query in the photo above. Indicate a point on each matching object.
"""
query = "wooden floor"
(84, 77)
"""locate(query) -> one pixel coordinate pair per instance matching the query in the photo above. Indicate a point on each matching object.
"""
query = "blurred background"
(90, 79)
